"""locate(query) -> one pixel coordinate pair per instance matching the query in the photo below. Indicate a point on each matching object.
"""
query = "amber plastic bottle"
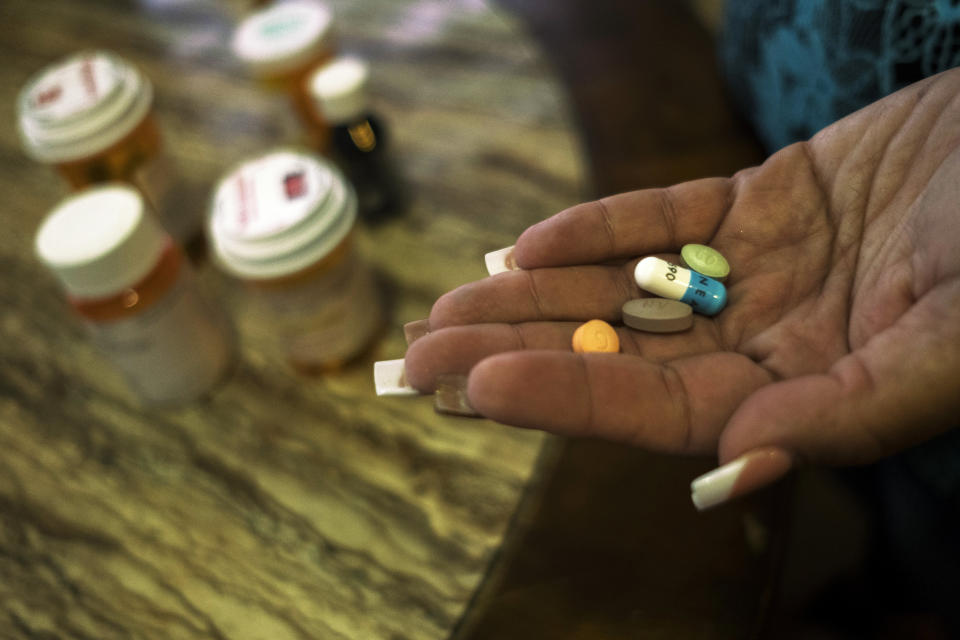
(129, 283)
(284, 224)
(90, 116)
(282, 45)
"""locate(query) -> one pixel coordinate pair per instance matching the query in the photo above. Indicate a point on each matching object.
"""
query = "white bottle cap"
(100, 241)
(280, 213)
(281, 38)
(80, 106)
(339, 89)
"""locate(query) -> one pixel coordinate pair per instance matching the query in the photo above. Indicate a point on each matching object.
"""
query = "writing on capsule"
(667, 280)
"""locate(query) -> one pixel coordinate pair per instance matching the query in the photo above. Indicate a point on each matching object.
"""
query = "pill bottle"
(281, 45)
(358, 137)
(284, 224)
(90, 116)
(129, 283)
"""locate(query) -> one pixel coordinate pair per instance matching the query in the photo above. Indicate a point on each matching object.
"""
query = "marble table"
(279, 506)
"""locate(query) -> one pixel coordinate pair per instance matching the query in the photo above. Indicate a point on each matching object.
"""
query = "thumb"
(814, 418)
(900, 389)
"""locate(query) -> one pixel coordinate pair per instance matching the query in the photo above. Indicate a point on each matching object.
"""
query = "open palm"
(841, 339)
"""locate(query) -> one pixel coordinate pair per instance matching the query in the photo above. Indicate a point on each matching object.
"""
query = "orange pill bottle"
(90, 116)
(129, 283)
(281, 45)
(284, 225)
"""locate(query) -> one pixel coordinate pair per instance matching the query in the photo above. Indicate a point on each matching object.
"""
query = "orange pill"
(596, 336)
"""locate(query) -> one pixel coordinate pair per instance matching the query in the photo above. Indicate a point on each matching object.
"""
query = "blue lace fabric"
(795, 66)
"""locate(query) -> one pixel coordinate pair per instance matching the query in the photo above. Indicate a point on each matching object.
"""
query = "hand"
(840, 343)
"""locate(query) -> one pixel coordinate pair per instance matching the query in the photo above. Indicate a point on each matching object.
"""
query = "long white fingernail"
(390, 379)
(747, 473)
(500, 260)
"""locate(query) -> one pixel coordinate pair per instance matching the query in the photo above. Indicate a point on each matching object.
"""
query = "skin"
(841, 339)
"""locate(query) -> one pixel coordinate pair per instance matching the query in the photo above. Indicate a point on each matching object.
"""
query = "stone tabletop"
(279, 506)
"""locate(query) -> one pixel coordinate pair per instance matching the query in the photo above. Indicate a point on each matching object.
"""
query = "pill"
(657, 315)
(705, 260)
(596, 336)
(665, 279)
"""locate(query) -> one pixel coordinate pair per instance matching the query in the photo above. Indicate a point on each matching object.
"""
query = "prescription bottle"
(131, 286)
(358, 137)
(90, 116)
(281, 45)
(284, 224)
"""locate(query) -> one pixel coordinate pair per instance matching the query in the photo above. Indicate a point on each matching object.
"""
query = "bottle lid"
(339, 89)
(100, 241)
(279, 213)
(81, 105)
(281, 38)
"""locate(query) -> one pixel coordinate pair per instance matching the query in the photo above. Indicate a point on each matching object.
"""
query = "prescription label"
(170, 350)
(328, 318)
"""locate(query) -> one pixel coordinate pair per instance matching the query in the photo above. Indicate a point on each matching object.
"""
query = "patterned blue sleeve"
(795, 66)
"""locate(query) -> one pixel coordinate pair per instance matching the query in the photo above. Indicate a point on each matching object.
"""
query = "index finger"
(627, 225)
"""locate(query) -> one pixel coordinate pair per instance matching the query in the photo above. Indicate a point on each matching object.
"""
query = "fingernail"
(500, 260)
(415, 330)
(451, 396)
(747, 473)
(390, 379)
